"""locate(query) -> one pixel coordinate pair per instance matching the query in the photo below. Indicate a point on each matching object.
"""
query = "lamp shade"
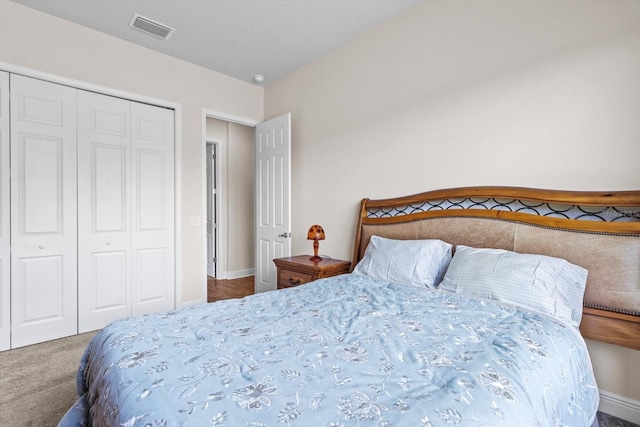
(315, 233)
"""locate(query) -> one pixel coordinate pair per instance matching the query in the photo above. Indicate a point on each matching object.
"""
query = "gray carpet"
(38, 383)
(607, 420)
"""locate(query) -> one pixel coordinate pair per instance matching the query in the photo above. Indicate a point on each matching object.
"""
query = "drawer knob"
(294, 281)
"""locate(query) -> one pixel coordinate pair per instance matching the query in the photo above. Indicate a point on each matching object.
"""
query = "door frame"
(176, 107)
(216, 204)
(222, 269)
(5, 226)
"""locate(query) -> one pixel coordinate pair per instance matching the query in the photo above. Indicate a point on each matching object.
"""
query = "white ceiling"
(239, 38)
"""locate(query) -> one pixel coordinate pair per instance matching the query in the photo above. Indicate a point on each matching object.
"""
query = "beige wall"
(238, 140)
(241, 198)
(536, 94)
(45, 43)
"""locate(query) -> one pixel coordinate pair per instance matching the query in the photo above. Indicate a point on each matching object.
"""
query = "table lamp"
(315, 233)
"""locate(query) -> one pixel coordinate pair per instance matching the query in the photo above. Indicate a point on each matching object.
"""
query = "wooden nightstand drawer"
(297, 270)
(287, 279)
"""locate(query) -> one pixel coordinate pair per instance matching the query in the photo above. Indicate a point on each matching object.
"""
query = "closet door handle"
(108, 242)
(41, 246)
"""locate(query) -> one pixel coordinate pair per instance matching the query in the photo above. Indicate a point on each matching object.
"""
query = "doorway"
(233, 208)
(230, 239)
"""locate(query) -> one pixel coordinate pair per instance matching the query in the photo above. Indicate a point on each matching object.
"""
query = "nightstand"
(296, 270)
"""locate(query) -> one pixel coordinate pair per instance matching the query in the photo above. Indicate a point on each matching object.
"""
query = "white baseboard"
(240, 273)
(620, 407)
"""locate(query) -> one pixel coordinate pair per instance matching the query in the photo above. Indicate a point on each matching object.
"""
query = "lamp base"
(315, 257)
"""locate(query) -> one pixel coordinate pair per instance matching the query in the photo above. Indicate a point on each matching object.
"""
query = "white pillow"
(540, 283)
(409, 262)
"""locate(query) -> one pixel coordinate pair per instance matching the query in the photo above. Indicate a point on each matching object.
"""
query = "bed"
(465, 307)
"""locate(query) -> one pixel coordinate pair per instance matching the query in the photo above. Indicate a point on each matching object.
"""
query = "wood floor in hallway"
(226, 289)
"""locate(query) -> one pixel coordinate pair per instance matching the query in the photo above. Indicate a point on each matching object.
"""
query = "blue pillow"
(409, 262)
(540, 283)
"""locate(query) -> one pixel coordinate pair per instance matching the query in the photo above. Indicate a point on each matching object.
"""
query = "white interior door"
(273, 198)
(5, 254)
(152, 160)
(43, 211)
(211, 210)
(104, 210)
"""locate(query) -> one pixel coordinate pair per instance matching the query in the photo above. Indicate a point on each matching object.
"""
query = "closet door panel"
(5, 260)
(151, 188)
(109, 281)
(44, 302)
(153, 208)
(151, 271)
(109, 181)
(104, 210)
(40, 165)
(43, 211)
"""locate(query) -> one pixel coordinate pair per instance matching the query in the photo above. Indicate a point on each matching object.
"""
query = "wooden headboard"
(599, 231)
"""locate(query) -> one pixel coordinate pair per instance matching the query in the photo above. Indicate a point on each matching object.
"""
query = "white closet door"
(104, 210)
(43, 211)
(5, 260)
(152, 152)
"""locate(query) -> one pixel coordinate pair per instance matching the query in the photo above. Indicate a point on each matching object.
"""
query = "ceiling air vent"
(150, 26)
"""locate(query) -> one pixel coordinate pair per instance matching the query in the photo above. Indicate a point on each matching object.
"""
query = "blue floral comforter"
(344, 351)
